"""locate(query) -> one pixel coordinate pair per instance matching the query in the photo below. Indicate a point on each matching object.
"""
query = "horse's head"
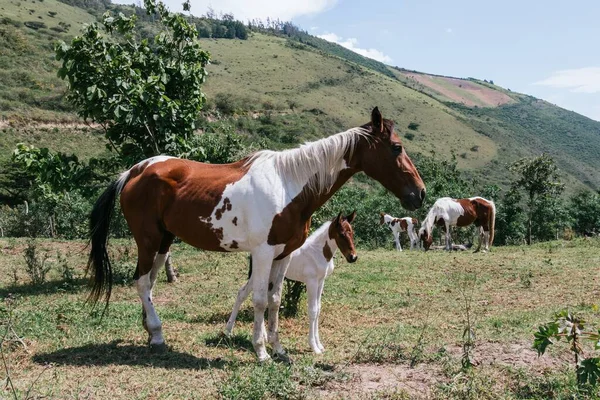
(383, 158)
(381, 218)
(341, 231)
(425, 237)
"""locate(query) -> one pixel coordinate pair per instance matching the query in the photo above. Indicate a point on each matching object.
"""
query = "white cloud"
(449, 30)
(580, 80)
(245, 10)
(351, 44)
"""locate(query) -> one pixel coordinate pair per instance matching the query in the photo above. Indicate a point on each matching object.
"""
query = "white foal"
(397, 225)
(311, 264)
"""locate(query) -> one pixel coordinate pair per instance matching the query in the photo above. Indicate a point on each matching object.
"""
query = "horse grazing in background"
(311, 264)
(447, 212)
(261, 204)
(397, 225)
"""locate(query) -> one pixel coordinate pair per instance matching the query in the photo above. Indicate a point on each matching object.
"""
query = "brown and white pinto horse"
(447, 212)
(262, 204)
(397, 225)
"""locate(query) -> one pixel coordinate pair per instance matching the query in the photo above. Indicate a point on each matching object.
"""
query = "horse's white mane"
(427, 224)
(318, 163)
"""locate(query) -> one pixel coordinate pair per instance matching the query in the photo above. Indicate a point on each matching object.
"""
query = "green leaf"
(588, 371)
(543, 337)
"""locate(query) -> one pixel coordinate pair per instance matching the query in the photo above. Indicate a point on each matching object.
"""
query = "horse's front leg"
(320, 296)
(279, 269)
(312, 292)
(448, 237)
(262, 258)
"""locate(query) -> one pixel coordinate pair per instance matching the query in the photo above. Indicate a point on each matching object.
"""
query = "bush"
(413, 126)
(36, 267)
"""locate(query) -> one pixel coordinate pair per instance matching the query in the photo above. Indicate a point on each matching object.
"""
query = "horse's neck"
(316, 242)
(314, 202)
(388, 218)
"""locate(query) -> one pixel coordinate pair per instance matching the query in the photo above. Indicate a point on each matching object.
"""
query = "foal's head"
(426, 238)
(341, 231)
(381, 218)
(383, 158)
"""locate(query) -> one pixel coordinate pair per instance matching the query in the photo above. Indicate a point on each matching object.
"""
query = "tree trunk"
(529, 230)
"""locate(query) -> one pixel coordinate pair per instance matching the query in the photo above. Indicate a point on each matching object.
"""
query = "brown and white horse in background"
(261, 204)
(397, 225)
(447, 212)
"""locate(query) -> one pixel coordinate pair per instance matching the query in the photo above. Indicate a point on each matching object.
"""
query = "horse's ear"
(382, 214)
(377, 120)
(351, 217)
(338, 219)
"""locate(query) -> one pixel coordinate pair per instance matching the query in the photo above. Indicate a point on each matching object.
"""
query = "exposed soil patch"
(468, 93)
(516, 355)
(420, 382)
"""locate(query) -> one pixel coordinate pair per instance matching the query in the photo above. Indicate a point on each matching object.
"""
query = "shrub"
(35, 266)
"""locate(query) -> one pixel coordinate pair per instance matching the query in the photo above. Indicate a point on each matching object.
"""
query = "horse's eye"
(397, 149)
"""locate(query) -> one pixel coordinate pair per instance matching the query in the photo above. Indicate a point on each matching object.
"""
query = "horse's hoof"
(158, 348)
(283, 358)
(226, 334)
(264, 359)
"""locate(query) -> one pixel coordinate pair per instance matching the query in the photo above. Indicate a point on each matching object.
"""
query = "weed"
(258, 382)
(36, 267)
(572, 328)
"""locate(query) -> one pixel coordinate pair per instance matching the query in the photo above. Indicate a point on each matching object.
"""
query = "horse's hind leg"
(165, 244)
(242, 295)
(170, 270)
(150, 261)
(480, 237)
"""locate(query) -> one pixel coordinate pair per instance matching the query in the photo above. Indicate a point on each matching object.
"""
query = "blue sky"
(548, 49)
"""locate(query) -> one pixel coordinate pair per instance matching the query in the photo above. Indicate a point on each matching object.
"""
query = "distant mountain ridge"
(319, 86)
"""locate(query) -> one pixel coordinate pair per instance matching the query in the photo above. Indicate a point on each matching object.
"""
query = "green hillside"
(307, 88)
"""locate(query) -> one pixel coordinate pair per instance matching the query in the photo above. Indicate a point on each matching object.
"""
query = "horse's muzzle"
(351, 258)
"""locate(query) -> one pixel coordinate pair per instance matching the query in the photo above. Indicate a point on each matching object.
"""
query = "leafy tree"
(510, 219)
(538, 177)
(55, 174)
(585, 212)
(146, 95)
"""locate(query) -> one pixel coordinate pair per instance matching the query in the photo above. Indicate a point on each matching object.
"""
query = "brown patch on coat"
(225, 207)
(381, 218)
(234, 245)
(327, 252)
(403, 225)
(394, 221)
(184, 195)
(234, 221)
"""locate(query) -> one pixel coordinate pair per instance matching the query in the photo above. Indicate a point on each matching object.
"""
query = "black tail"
(249, 266)
(98, 263)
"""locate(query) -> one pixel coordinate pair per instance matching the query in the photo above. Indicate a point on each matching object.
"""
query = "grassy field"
(391, 324)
